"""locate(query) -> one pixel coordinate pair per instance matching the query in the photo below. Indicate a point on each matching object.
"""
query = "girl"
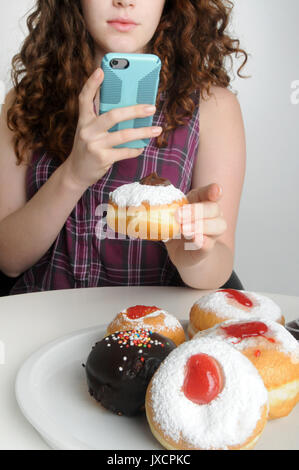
(58, 164)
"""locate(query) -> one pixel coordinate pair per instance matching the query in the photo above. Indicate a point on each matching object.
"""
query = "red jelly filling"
(203, 379)
(238, 296)
(246, 330)
(140, 311)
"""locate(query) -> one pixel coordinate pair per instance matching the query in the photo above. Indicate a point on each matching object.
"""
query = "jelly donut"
(206, 395)
(120, 366)
(273, 351)
(146, 209)
(231, 304)
(152, 318)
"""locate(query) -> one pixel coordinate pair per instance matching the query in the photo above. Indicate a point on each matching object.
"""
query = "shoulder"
(219, 109)
(7, 135)
(12, 176)
(8, 102)
(219, 96)
(9, 99)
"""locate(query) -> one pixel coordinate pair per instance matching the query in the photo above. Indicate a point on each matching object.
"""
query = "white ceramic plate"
(52, 393)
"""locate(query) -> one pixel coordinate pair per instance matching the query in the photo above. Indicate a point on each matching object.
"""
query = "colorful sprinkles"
(140, 338)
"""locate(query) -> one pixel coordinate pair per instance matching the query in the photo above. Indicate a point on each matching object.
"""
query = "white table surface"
(28, 322)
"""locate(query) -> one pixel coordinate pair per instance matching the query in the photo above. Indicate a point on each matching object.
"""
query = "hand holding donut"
(93, 153)
(201, 222)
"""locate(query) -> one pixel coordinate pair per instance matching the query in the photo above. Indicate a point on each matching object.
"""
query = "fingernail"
(157, 130)
(188, 229)
(150, 109)
(189, 236)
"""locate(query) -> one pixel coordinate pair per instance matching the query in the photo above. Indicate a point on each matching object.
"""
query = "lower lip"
(122, 26)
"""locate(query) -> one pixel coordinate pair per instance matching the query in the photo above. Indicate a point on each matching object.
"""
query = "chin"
(122, 43)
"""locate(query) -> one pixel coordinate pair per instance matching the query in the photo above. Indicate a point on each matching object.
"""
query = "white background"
(267, 254)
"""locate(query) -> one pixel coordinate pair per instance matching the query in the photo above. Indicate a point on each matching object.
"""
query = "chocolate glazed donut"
(120, 367)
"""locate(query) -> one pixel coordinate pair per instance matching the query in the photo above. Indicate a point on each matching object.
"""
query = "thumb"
(211, 192)
(89, 92)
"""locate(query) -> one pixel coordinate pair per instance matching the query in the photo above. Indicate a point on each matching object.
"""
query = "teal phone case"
(136, 84)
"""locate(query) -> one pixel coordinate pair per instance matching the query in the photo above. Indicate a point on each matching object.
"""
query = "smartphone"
(130, 79)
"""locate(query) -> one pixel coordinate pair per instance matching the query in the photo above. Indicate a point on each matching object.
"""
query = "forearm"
(27, 234)
(209, 273)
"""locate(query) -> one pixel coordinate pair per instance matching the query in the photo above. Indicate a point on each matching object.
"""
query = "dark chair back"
(233, 283)
(6, 284)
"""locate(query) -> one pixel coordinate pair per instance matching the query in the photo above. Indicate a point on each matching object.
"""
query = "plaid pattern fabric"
(82, 256)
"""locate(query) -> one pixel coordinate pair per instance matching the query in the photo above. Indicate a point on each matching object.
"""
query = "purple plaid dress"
(82, 256)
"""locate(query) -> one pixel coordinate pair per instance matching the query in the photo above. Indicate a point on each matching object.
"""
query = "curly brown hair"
(57, 57)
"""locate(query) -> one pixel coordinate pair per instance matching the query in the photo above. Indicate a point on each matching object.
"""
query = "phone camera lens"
(114, 62)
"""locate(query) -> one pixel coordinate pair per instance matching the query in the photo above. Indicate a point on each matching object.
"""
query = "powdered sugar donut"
(231, 304)
(146, 209)
(153, 318)
(273, 351)
(206, 395)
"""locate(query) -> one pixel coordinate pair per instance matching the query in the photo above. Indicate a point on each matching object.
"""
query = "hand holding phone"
(130, 79)
(94, 151)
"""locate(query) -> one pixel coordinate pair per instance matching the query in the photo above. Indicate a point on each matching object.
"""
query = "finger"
(88, 92)
(123, 154)
(201, 210)
(211, 227)
(113, 139)
(214, 227)
(113, 117)
(211, 192)
(195, 241)
(200, 242)
(190, 229)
